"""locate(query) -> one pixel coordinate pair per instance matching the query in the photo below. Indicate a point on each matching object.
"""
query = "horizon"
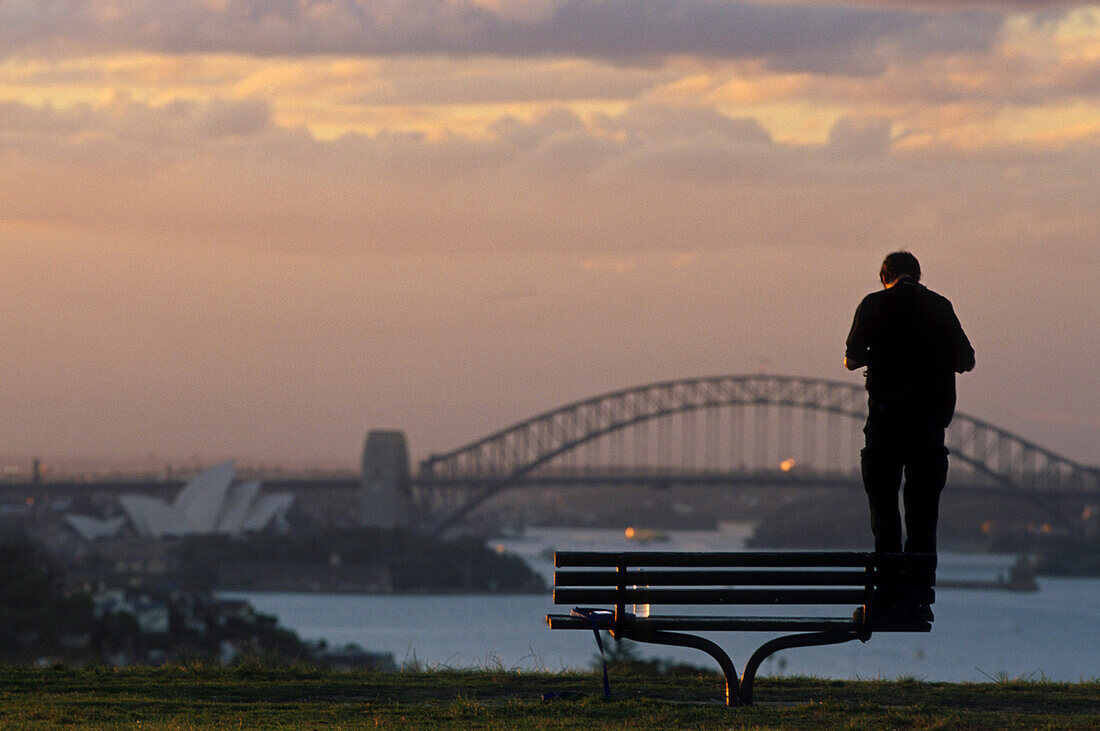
(16, 466)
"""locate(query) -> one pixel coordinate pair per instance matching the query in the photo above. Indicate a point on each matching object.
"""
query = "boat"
(645, 535)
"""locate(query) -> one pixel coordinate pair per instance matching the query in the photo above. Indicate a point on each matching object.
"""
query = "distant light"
(629, 533)
(787, 465)
(500, 548)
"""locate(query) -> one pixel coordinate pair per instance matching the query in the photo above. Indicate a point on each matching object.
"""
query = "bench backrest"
(742, 578)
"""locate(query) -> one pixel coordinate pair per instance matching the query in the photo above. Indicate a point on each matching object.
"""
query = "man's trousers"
(903, 440)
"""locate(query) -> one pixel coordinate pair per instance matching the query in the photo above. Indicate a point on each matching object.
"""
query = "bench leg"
(807, 639)
(733, 695)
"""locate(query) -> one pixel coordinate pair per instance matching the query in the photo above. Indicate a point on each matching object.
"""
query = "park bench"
(822, 586)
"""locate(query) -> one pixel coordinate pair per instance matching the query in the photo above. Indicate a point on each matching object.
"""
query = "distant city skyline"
(238, 229)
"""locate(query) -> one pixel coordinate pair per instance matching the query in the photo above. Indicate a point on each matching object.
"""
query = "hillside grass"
(199, 696)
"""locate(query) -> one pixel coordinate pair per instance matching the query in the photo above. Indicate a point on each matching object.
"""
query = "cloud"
(487, 80)
(952, 5)
(856, 138)
(664, 121)
(839, 37)
(119, 117)
(649, 179)
(234, 118)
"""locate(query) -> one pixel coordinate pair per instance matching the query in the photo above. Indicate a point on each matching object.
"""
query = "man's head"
(897, 264)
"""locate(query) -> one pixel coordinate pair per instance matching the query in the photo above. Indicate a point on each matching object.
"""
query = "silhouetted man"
(912, 344)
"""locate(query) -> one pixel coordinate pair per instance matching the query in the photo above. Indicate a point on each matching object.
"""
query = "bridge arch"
(507, 457)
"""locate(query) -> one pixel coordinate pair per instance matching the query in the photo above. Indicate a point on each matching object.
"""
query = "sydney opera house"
(208, 504)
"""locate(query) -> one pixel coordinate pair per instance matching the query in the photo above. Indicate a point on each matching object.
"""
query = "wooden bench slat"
(686, 622)
(773, 559)
(717, 577)
(737, 624)
(715, 596)
(709, 596)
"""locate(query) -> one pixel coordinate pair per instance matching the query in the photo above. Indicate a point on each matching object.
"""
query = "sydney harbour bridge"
(739, 430)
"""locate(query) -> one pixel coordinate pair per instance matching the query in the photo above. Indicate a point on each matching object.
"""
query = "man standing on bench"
(912, 344)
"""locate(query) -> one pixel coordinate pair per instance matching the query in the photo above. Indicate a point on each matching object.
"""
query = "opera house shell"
(208, 504)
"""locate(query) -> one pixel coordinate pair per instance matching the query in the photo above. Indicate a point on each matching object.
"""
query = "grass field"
(265, 697)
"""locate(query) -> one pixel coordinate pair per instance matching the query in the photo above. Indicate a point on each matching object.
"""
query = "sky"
(260, 228)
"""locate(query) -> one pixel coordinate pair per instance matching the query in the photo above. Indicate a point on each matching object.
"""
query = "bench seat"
(734, 624)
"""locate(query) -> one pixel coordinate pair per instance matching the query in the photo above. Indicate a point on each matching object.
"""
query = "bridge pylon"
(384, 500)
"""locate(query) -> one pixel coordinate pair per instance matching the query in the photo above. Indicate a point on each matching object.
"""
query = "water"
(978, 635)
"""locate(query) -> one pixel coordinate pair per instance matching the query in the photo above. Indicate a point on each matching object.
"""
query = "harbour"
(978, 634)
